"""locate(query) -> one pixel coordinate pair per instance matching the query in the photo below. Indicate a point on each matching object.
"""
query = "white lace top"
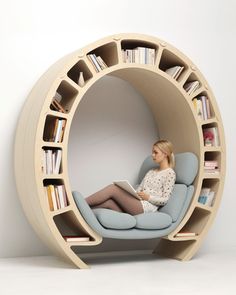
(159, 185)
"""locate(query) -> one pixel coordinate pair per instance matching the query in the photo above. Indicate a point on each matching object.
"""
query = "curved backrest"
(186, 167)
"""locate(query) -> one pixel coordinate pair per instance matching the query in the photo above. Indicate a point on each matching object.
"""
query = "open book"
(125, 185)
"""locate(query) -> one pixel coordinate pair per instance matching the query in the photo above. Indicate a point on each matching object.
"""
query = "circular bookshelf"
(183, 106)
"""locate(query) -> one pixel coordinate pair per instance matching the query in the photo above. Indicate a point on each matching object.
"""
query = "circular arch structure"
(39, 136)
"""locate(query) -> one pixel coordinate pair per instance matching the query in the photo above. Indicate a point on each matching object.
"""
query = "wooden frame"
(172, 108)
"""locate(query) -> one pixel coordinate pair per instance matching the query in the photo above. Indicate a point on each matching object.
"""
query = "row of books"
(56, 130)
(175, 71)
(206, 196)
(51, 161)
(202, 107)
(141, 55)
(211, 136)
(57, 197)
(211, 167)
(97, 62)
(192, 86)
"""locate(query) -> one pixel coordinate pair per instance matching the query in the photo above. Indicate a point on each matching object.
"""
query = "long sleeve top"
(159, 185)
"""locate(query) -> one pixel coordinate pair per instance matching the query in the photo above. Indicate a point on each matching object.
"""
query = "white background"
(35, 34)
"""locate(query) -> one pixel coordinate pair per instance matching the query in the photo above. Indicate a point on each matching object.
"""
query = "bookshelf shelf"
(204, 207)
(55, 98)
(60, 211)
(169, 60)
(74, 72)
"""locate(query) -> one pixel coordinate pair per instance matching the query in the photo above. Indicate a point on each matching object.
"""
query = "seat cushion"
(175, 202)
(153, 220)
(113, 219)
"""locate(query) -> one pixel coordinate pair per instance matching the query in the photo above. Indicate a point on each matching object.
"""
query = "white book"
(205, 191)
(76, 239)
(174, 72)
(125, 185)
(59, 130)
(44, 162)
(58, 156)
(49, 162)
(142, 53)
(186, 234)
(190, 87)
(60, 195)
(151, 54)
(136, 55)
(210, 198)
(101, 62)
(95, 62)
(199, 109)
(204, 106)
(123, 55)
(208, 108)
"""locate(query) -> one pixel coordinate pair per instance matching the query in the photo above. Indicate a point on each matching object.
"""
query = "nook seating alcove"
(116, 225)
(44, 128)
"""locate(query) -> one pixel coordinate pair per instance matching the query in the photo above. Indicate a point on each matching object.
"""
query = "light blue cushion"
(186, 167)
(153, 220)
(113, 219)
(176, 201)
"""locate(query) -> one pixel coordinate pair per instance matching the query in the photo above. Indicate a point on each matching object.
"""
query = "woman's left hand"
(143, 196)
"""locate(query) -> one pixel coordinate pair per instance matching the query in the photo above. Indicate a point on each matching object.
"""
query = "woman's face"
(157, 155)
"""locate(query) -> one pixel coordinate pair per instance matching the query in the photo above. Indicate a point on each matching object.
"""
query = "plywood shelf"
(36, 130)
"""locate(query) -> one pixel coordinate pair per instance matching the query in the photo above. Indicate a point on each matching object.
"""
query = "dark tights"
(114, 198)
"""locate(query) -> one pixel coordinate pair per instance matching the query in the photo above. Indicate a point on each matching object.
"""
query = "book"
(125, 185)
(76, 239)
(56, 195)
(174, 72)
(206, 196)
(211, 163)
(55, 105)
(192, 86)
(51, 161)
(211, 137)
(142, 55)
(202, 107)
(186, 234)
(97, 62)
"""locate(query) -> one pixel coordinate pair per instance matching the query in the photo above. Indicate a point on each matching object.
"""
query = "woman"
(154, 190)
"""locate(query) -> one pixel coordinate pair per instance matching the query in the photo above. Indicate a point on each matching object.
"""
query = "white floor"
(206, 273)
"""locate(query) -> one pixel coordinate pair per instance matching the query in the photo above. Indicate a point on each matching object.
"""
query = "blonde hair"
(166, 147)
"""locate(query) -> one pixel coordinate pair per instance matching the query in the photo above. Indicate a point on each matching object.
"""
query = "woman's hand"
(143, 196)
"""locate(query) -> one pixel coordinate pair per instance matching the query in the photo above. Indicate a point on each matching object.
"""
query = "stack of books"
(142, 55)
(186, 234)
(206, 196)
(57, 197)
(190, 87)
(211, 137)
(56, 104)
(51, 161)
(211, 167)
(97, 62)
(175, 71)
(76, 238)
(202, 107)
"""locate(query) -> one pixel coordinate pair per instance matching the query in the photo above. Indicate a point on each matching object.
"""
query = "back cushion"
(186, 167)
(176, 201)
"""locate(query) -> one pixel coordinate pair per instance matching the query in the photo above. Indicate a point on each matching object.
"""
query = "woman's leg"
(109, 204)
(128, 203)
